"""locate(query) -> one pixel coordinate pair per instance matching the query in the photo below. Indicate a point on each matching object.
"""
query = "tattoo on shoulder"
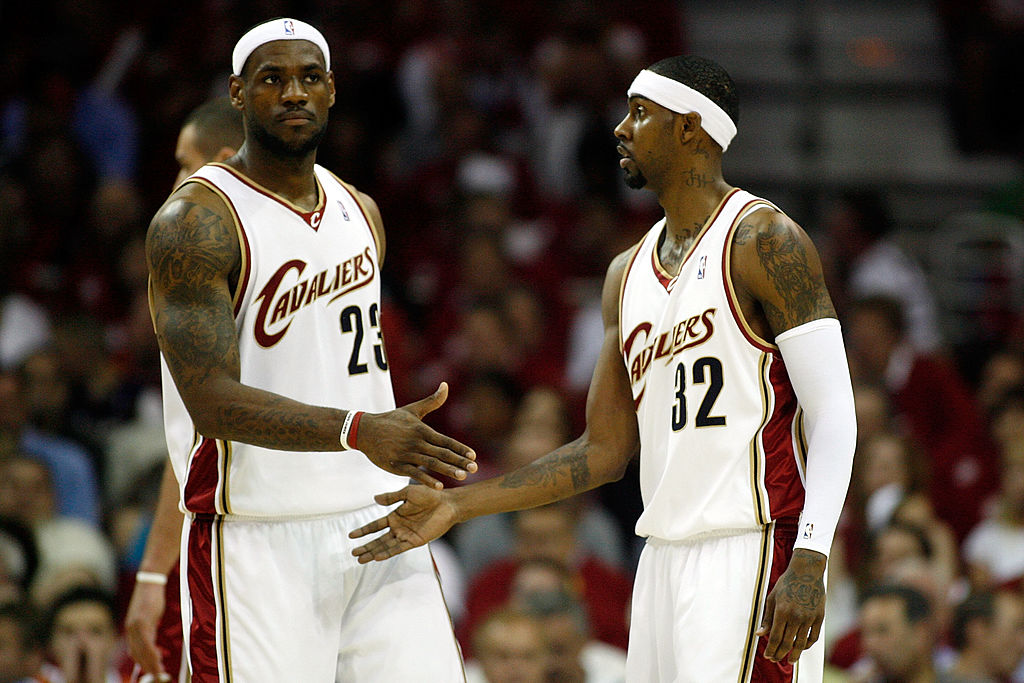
(190, 244)
(570, 460)
(786, 264)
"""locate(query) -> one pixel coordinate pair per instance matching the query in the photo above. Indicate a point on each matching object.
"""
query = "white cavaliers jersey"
(720, 429)
(307, 315)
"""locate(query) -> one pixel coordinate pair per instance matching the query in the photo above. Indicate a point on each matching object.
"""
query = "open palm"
(424, 515)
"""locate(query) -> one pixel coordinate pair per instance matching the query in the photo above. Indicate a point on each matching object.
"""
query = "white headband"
(683, 99)
(276, 29)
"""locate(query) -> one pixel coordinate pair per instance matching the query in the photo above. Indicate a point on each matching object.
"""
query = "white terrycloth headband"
(276, 29)
(683, 99)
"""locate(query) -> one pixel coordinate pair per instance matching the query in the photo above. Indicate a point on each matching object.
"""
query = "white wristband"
(151, 577)
(349, 429)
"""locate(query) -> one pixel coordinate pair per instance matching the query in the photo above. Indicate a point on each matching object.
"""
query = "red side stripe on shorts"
(203, 630)
(766, 671)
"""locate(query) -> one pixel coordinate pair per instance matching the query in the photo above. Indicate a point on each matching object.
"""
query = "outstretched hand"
(401, 443)
(425, 514)
(795, 608)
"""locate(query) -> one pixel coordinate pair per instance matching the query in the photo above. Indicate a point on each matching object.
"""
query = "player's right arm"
(194, 257)
(600, 455)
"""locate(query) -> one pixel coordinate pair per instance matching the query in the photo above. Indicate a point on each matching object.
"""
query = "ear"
(224, 153)
(688, 126)
(330, 87)
(236, 91)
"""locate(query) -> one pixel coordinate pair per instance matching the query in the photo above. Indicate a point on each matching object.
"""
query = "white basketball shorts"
(272, 601)
(697, 604)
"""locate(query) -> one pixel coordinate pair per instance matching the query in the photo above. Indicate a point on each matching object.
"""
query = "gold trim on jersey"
(221, 583)
(764, 568)
(243, 241)
(321, 195)
(730, 290)
(757, 458)
(224, 447)
(374, 228)
(800, 441)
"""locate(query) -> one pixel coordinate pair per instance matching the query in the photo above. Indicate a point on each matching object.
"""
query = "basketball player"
(723, 364)
(211, 132)
(279, 412)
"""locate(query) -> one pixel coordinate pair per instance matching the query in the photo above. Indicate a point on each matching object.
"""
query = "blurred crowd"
(483, 131)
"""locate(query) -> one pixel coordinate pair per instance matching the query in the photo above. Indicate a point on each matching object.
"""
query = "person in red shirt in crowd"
(549, 532)
(935, 407)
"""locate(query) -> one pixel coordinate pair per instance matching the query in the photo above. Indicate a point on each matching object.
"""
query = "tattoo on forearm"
(785, 262)
(277, 426)
(569, 460)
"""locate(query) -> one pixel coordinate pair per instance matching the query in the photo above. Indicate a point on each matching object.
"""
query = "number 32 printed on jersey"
(707, 370)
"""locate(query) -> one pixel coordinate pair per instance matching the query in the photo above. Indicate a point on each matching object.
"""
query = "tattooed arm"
(777, 274)
(193, 254)
(778, 280)
(600, 455)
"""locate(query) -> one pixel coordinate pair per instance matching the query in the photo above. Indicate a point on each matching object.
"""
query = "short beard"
(635, 181)
(277, 146)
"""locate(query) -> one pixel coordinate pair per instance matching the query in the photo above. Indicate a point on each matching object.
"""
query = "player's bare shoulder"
(776, 263)
(192, 238)
(613, 286)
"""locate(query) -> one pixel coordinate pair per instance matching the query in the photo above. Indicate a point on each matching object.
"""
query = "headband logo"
(289, 27)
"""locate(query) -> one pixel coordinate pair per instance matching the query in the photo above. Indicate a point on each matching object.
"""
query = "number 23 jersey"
(720, 431)
(307, 316)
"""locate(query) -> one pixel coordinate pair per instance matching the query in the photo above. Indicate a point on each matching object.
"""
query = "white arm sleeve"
(816, 361)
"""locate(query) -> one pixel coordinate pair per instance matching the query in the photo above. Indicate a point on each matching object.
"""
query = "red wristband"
(353, 429)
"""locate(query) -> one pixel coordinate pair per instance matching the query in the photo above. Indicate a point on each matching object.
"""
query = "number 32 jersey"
(307, 316)
(720, 431)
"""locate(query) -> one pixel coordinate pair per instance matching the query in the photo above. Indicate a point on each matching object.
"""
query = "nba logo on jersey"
(703, 265)
(289, 27)
(808, 530)
(344, 213)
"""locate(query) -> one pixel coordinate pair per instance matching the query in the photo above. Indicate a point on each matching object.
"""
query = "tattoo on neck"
(695, 178)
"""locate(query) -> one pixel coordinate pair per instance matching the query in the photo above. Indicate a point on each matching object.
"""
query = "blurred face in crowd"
(188, 154)
(546, 532)
(26, 490)
(895, 645)
(511, 650)
(1004, 641)
(565, 642)
(84, 639)
(17, 659)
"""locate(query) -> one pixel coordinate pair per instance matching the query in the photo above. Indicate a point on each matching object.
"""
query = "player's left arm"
(777, 266)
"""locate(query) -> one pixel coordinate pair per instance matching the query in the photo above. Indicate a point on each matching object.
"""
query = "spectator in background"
(82, 638)
(71, 552)
(550, 532)
(484, 540)
(898, 637)
(994, 549)
(509, 647)
(988, 634)
(24, 327)
(74, 478)
(573, 656)
(935, 406)
(870, 262)
(1007, 418)
(19, 559)
(21, 652)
